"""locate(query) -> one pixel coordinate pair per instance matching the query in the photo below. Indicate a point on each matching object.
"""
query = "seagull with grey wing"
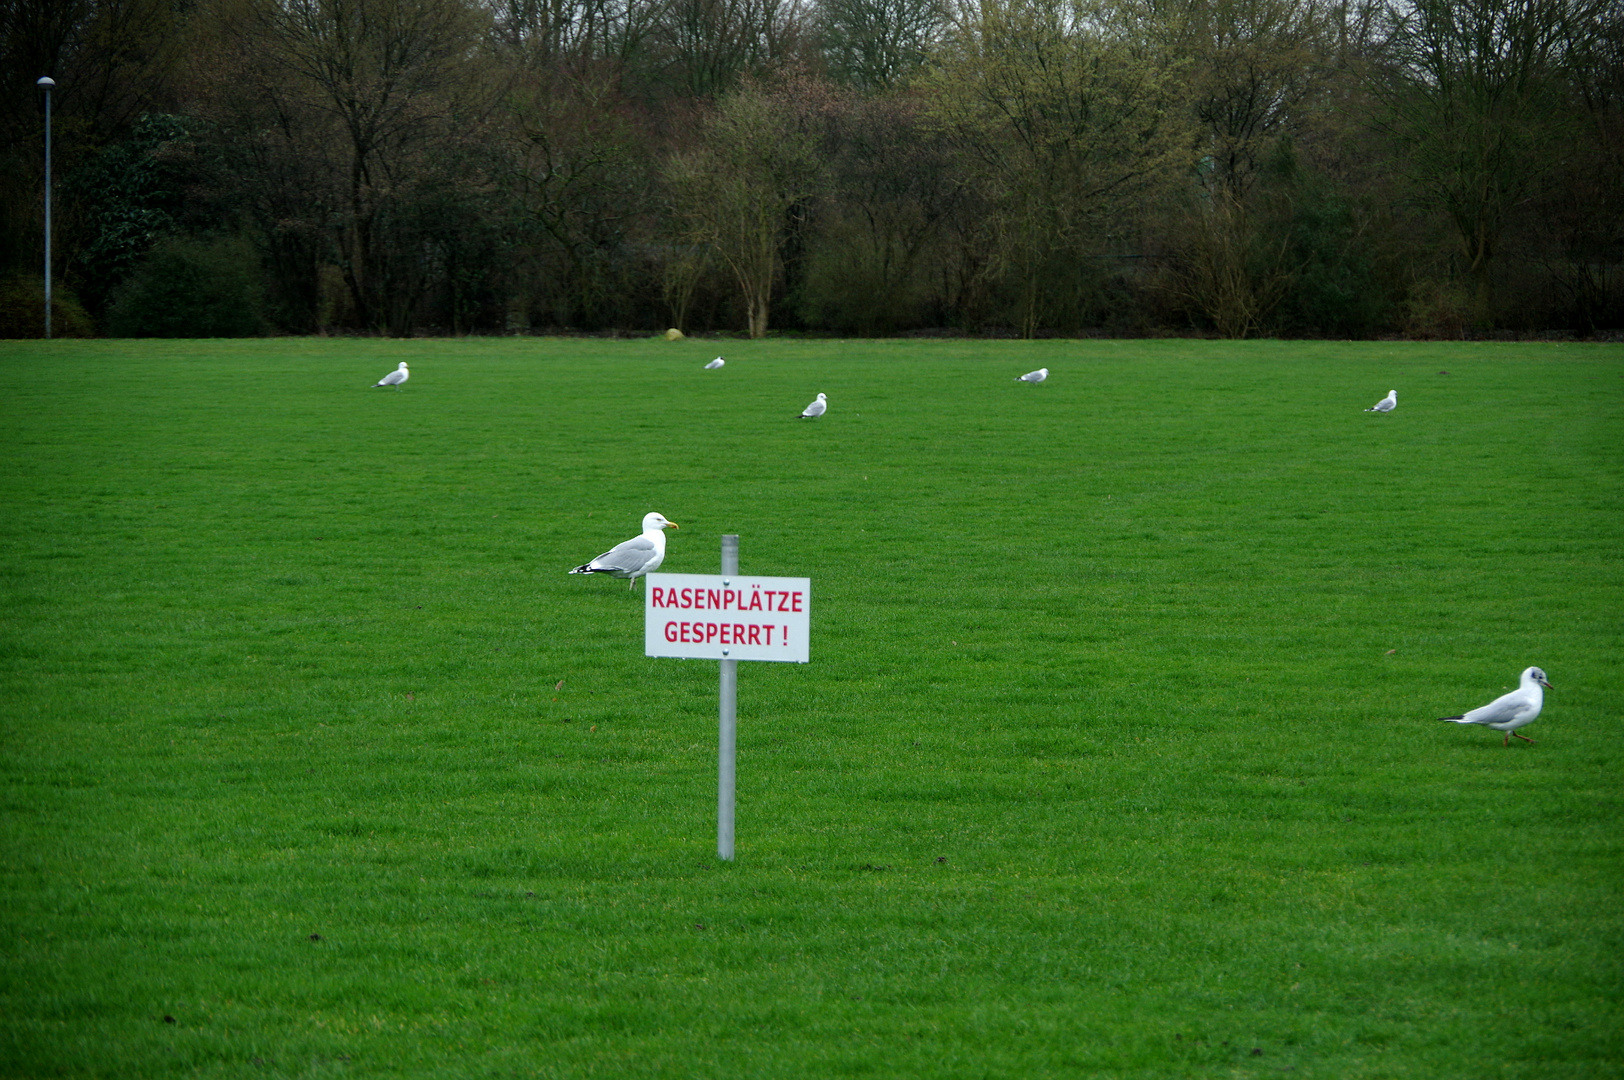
(1508, 712)
(1386, 404)
(1034, 376)
(395, 378)
(638, 556)
(816, 409)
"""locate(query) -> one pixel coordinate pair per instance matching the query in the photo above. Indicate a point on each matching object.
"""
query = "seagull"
(816, 409)
(638, 556)
(395, 378)
(1034, 376)
(1386, 404)
(714, 364)
(1508, 712)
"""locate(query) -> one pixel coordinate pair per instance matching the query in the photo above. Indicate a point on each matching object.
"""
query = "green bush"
(1334, 291)
(192, 288)
(22, 309)
(854, 285)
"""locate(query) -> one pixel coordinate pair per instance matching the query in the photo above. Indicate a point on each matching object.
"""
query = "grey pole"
(729, 722)
(46, 84)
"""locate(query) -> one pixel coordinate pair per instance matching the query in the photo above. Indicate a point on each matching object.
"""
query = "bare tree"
(1255, 79)
(584, 180)
(873, 44)
(1581, 211)
(1064, 122)
(891, 190)
(736, 192)
(705, 45)
(1255, 74)
(381, 99)
(1475, 94)
(576, 36)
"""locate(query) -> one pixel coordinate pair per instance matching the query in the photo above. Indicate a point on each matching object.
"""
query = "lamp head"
(45, 83)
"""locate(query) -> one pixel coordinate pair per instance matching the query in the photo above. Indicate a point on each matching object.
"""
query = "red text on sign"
(740, 600)
(704, 633)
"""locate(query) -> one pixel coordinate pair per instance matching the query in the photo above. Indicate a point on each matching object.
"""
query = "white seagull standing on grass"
(1386, 404)
(816, 409)
(638, 556)
(714, 364)
(395, 378)
(1508, 712)
(1034, 376)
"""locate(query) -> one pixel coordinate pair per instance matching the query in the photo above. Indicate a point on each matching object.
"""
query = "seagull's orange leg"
(1524, 738)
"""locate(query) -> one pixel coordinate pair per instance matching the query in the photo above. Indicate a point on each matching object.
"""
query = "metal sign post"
(728, 717)
(728, 618)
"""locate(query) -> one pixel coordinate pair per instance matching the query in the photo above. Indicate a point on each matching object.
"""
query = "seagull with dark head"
(1508, 712)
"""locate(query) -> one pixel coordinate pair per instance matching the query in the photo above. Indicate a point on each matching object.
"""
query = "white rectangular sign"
(727, 617)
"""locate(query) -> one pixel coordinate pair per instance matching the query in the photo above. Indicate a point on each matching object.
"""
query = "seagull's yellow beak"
(671, 525)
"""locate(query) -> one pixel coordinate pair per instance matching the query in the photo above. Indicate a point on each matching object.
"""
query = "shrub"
(852, 287)
(192, 288)
(1335, 291)
(22, 309)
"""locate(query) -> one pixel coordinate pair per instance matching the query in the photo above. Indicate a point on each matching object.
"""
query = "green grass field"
(1116, 756)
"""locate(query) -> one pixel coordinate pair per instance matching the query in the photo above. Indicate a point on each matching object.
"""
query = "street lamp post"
(47, 84)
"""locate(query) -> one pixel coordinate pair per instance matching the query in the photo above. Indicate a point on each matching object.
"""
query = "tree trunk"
(758, 316)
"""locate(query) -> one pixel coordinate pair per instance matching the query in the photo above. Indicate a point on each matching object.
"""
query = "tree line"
(1027, 167)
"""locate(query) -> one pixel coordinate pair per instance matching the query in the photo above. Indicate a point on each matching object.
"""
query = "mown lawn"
(1116, 755)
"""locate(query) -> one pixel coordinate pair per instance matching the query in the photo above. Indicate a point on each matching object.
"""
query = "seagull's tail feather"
(1453, 719)
(584, 568)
